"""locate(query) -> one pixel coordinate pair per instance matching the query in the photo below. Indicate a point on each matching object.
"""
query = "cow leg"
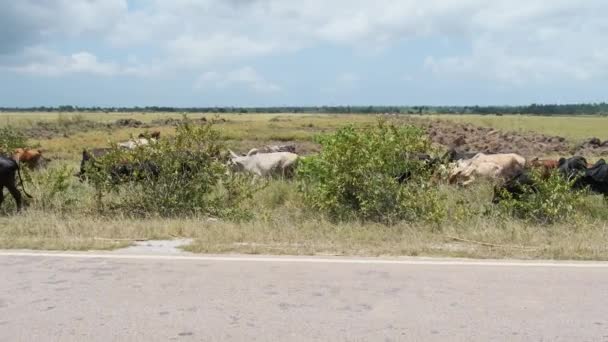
(12, 188)
(1, 195)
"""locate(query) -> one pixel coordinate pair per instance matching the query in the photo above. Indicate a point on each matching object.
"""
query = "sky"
(302, 52)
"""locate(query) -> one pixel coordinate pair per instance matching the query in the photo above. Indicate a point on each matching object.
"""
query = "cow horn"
(232, 154)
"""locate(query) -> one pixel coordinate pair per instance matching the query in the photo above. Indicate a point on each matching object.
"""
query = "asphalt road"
(133, 298)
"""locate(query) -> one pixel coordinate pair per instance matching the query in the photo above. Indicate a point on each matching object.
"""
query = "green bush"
(354, 177)
(186, 175)
(56, 189)
(554, 200)
(10, 139)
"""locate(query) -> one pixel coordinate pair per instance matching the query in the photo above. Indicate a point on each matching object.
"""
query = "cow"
(595, 178)
(549, 164)
(546, 166)
(453, 155)
(521, 183)
(155, 135)
(134, 143)
(280, 148)
(89, 156)
(265, 164)
(572, 167)
(272, 149)
(28, 157)
(120, 171)
(9, 168)
(493, 166)
(428, 164)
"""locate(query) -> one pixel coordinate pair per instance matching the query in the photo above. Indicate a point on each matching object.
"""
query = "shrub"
(354, 177)
(57, 190)
(554, 200)
(183, 176)
(10, 139)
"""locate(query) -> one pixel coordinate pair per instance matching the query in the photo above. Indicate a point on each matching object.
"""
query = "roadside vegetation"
(345, 198)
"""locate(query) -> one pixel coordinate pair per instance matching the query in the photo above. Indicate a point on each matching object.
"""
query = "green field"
(281, 224)
(573, 127)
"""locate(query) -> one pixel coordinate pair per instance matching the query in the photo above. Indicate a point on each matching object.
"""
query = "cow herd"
(509, 170)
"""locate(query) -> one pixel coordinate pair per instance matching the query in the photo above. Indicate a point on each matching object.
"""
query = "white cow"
(492, 166)
(266, 164)
(134, 143)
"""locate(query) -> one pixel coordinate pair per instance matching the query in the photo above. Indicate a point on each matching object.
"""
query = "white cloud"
(47, 63)
(190, 51)
(511, 41)
(246, 77)
(345, 81)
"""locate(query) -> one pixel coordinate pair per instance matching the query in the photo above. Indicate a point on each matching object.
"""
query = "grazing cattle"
(134, 143)
(9, 168)
(452, 155)
(88, 157)
(291, 148)
(28, 157)
(121, 171)
(572, 167)
(124, 172)
(518, 185)
(252, 152)
(266, 164)
(546, 165)
(492, 166)
(549, 164)
(155, 135)
(595, 178)
(429, 164)
(272, 149)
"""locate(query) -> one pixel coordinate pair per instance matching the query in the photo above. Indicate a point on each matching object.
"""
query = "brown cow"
(546, 163)
(153, 135)
(28, 157)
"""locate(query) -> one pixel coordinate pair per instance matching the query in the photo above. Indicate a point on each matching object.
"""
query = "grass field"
(281, 224)
(573, 127)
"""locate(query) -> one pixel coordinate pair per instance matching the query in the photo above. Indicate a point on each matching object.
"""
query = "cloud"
(43, 62)
(345, 81)
(190, 51)
(509, 41)
(246, 77)
(537, 41)
(31, 22)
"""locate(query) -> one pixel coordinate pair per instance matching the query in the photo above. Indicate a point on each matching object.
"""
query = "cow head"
(236, 162)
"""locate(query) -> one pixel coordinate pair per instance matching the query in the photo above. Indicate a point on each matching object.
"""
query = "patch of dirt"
(67, 128)
(50, 129)
(177, 122)
(472, 138)
(131, 123)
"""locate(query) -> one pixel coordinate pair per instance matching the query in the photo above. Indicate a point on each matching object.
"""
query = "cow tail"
(21, 181)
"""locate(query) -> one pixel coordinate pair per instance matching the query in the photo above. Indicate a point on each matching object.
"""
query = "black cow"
(121, 171)
(595, 178)
(572, 167)
(8, 170)
(429, 162)
(89, 156)
(518, 185)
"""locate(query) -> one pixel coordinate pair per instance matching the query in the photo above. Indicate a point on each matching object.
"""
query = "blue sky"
(306, 52)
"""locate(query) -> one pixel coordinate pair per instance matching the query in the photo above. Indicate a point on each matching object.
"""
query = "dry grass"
(37, 230)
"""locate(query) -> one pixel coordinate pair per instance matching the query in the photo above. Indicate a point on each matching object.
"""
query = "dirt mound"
(471, 138)
(128, 123)
(63, 128)
(176, 122)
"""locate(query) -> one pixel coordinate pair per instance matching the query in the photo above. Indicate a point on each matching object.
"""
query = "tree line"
(533, 109)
